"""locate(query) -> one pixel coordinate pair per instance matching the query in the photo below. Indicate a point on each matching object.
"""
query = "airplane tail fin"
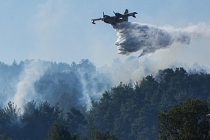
(126, 11)
(125, 18)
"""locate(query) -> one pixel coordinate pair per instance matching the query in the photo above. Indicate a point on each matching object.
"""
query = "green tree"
(60, 132)
(38, 120)
(185, 121)
(99, 135)
(12, 120)
(4, 137)
(75, 119)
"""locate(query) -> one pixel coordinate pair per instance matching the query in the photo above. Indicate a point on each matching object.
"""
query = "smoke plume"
(25, 87)
(134, 37)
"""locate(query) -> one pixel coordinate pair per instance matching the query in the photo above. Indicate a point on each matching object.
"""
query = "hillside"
(81, 98)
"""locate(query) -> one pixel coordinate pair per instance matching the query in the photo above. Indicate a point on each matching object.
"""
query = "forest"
(78, 102)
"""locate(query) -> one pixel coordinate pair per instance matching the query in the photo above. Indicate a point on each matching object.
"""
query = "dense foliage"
(70, 85)
(131, 111)
(185, 121)
(127, 111)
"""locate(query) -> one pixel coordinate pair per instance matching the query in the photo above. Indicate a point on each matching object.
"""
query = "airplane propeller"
(117, 14)
(103, 14)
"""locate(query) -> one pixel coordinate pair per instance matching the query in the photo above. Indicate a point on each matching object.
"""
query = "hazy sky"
(61, 30)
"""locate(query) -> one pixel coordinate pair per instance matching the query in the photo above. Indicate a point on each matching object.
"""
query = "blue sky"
(61, 30)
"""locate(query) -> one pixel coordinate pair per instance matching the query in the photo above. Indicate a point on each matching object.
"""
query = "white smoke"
(25, 87)
(133, 37)
(91, 88)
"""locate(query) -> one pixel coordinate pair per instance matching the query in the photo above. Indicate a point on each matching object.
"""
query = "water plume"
(134, 37)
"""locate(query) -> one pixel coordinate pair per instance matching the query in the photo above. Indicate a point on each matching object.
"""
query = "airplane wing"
(96, 19)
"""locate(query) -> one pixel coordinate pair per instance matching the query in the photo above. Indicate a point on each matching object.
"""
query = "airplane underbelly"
(107, 21)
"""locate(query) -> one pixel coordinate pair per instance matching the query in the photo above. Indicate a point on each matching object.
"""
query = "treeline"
(188, 120)
(131, 111)
(46, 122)
(66, 84)
(127, 111)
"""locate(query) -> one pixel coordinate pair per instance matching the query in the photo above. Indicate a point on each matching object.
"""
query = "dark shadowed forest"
(78, 102)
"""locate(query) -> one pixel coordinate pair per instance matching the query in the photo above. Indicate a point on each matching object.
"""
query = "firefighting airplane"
(118, 18)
